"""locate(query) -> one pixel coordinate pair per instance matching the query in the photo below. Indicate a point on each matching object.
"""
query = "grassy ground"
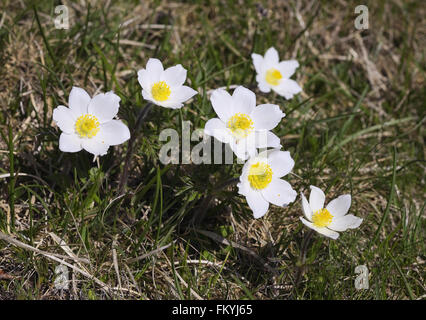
(357, 127)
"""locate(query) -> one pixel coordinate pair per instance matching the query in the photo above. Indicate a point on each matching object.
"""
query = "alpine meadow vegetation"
(264, 102)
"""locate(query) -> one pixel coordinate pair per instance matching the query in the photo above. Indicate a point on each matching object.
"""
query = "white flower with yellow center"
(260, 181)
(275, 75)
(164, 87)
(241, 123)
(330, 219)
(88, 123)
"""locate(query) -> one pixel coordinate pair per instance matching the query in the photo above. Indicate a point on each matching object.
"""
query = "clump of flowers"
(90, 124)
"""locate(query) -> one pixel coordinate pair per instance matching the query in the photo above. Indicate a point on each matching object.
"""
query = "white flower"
(241, 124)
(260, 181)
(164, 87)
(88, 123)
(331, 219)
(275, 75)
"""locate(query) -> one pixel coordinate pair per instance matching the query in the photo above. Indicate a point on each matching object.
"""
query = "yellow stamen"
(240, 125)
(322, 218)
(273, 77)
(260, 175)
(87, 126)
(160, 91)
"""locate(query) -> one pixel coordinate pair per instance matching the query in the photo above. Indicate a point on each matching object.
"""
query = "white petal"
(222, 104)
(178, 96)
(182, 94)
(174, 76)
(146, 79)
(266, 139)
(146, 94)
(287, 88)
(78, 101)
(346, 222)
(176, 106)
(154, 66)
(287, 68)
(262, 84)
(257, 203)
(279, 192)
(244, 148)
(324, 231)
(307, 211)
(95, 146)
(257, 61)
(64, 118)
(316, 199)
(246, 168)
(170, 104)
(104, 106)
(263, 156)
(340, 206)
(328, 233)
(69, 142)
(240, 152)
(216, 128)
(271, 56)
(113, 132)
(267, 116)
(243, 187)
(281, 162)
(244, 100)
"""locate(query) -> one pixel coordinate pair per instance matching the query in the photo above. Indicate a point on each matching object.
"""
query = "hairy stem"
(125, 175)
(202, 209)
(302, 257)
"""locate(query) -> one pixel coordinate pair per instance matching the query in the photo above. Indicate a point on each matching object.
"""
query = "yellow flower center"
(273, 77)
(260, 175)
(160, 91)
(322, 218)
(87, 126)
(240, 125)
